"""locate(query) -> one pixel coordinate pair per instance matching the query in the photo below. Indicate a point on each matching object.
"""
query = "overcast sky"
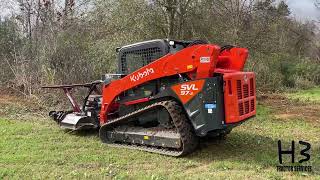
(304, 9)
(301, 9)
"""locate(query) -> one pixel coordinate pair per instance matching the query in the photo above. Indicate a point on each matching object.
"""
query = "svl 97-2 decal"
(186, 91)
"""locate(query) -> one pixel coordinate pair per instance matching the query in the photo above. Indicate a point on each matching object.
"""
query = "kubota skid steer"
(165, 96)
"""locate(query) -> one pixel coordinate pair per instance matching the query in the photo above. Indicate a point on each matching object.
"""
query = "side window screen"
(135, 59)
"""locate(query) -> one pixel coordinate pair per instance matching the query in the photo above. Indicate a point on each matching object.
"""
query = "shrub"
(276, 72)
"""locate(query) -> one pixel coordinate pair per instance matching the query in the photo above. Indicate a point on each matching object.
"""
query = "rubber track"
(189, 140)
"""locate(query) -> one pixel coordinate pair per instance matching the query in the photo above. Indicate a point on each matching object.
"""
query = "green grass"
(38, 149)
(306, 95)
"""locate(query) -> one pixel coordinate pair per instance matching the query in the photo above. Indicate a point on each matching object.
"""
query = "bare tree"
(175, 13)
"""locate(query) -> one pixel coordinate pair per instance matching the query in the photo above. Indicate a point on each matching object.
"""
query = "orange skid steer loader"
(166, 95)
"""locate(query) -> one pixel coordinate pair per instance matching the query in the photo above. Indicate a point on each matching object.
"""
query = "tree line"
(73, 41)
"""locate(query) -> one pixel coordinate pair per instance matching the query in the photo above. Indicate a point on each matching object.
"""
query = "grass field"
(32, 146)
(306, 95)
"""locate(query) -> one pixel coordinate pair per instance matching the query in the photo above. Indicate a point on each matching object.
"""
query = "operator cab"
(134, 56)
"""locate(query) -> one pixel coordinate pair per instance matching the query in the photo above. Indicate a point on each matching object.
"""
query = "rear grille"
(239, 89)
(245, 90)
(252, 105)
(245, 94)
(246, 107)
(251, 87)
(241, 109)
(239, 96)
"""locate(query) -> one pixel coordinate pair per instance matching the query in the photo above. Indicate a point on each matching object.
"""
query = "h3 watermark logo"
(305, 150)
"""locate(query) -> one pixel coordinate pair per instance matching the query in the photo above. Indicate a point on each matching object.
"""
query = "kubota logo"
(140, 75)
(188, 89)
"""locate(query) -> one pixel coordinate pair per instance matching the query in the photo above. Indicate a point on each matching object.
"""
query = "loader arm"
(199, 60)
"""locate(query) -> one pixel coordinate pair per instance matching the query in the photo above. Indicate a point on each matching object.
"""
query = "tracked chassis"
(176, 141)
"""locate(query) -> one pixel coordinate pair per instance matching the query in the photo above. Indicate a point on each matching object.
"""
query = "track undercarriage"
(177, 140)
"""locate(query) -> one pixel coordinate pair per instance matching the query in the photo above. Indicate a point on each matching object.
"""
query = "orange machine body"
(197, 62)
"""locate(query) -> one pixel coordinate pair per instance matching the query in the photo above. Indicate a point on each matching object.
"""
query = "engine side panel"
(205, 106)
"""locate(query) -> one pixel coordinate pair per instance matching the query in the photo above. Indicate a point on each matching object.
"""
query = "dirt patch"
(17, 100)
(284, 116)
(13, 104)
(286, 109)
